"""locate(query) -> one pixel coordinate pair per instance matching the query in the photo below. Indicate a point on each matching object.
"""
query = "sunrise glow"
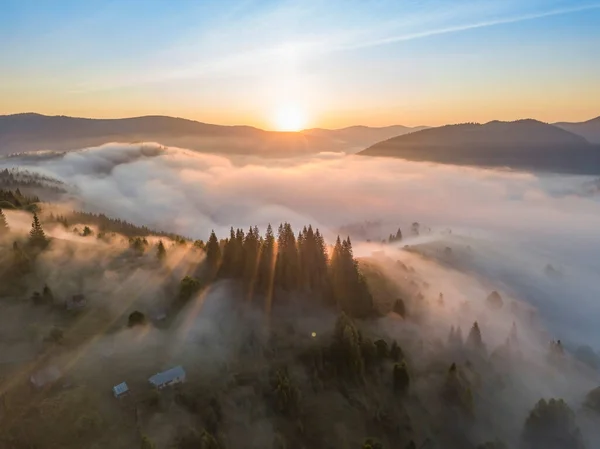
(289, 117)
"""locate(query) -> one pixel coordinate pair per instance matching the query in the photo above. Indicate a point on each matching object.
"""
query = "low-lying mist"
(533, 238)
(516, 223)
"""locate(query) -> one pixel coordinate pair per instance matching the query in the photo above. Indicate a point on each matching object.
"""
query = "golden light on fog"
(290, 117)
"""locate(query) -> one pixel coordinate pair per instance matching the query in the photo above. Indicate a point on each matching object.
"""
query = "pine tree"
(3, 224)
(37, 237)
(161, 252)
(213, 256)
(474, 340)
(266, 263)
(251, 251)
(349, 285)
(287, 263)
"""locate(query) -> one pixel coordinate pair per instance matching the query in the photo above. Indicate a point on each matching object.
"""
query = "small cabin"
(170, 377)
(120, 390)
(45, 376)
(76, 302)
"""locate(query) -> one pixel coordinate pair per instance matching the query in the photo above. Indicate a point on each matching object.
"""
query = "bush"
(136, 319)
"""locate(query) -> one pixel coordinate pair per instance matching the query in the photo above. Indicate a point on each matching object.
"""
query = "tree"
(251, 254)
(456, 391)
(494, 300)
(474, 340)
(349, 286)
(401, 378)
(266, 263)
(396, 353)
(3, 224)
(213, 256)
(136, 318)
(592, 400)
(161, 252)
(87, 231)
(346, 350)
(37, 237)
(188, 287)
(551, 425)
(287, 262)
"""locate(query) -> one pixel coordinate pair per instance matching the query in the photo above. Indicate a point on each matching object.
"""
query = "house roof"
(120, 389)
(167, 376)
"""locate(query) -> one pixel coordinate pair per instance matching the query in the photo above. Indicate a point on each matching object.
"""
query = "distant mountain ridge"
(522, 144)
(589, 129)
(33, 132)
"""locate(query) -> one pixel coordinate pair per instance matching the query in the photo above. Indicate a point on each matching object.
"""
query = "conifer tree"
(213, 255)
(161, 252)
(266, 262)
(474, 340)
(37, 237)
(3, 224)
(287, 264)
(251, 251)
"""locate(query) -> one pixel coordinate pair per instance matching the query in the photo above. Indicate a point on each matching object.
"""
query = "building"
(120, 390)
(45, 376)
(173, 376)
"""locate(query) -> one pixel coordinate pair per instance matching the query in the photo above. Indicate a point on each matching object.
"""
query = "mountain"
(358, 137)
(590, 129)
(523, 144)
(32, 132)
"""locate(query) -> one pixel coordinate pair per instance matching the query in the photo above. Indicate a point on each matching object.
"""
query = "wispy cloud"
(250, 38)
(466, 27)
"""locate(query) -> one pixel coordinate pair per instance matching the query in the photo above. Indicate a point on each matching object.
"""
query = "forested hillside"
(283, 342)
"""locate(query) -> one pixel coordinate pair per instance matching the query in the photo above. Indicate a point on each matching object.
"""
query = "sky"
(303, 63)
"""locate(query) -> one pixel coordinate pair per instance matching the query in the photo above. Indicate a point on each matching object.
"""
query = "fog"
(488, 230)
(516, 222)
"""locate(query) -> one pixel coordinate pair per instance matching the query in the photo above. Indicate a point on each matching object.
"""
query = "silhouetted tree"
(551, 425)
(396, 353)
(401, 378)
(37, 237)
(266, 264)
(213, 256)
(161, 252)
(287, 263)
(87, 232)
(494, 300)
(456, 391)
(346, 350)
(187, 288)
(474, 340)
(251, 251)
(136, 318)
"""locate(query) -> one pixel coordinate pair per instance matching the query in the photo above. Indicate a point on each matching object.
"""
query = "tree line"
(274, 266)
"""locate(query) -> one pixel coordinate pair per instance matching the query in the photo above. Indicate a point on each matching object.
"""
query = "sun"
(290, 117)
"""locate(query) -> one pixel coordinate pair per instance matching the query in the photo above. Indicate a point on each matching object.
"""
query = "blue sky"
(332, 63)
